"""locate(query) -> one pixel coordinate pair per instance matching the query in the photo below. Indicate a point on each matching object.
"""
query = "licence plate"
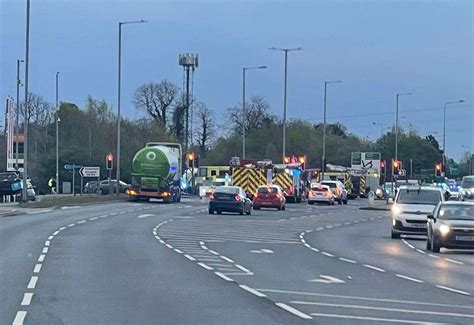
(224, 198)
(417, 225)
(266, 203)
(465, 238)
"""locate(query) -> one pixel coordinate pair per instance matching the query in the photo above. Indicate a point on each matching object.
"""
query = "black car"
(10, 183)
(229, 199)
(107, 187)
(451, 226)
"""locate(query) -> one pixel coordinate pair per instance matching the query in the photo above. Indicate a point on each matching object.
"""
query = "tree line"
(87, 134)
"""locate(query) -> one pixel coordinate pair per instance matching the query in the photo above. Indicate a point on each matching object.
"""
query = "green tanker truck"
(156, 171)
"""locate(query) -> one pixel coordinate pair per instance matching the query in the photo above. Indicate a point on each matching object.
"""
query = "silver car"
(339, 191)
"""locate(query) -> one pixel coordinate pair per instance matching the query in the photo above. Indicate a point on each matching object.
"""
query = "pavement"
(151, 263)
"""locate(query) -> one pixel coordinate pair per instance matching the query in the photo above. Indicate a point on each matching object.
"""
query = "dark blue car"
(229, 199)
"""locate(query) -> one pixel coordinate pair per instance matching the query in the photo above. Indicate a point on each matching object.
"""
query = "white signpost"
(93, 172)
(366, 160)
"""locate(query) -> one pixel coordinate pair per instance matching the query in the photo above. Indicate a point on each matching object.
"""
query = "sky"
(377, 48)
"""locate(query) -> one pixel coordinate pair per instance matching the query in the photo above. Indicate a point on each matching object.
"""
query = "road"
(150, 263)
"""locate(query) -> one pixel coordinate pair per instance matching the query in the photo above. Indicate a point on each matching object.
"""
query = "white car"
(411, 208)
(339, 191)
(320, 193)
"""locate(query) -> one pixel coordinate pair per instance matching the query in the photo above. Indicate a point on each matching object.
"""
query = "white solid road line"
(252, 291)
(41, 211)
(242, 268)
(454, 290)
(19, 318)
(45, 250)
(398, 310)
(146, 216)
(403, 302)
(27, 299)
(314, 249)
(41, 258)
(408, 278)
(453, 261)
(223, 276)
(293, 311)
(226, 259)
(347, 260)
(189, 257)
(390, 320)
(207, 267)
(37, 268)
(374, 268)
(420, 251)
(32, 283)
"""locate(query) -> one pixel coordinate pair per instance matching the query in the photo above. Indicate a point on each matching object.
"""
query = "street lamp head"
(461, 100)
(262, 67)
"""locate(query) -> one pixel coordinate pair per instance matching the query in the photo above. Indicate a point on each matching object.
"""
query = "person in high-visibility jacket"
(52, 185)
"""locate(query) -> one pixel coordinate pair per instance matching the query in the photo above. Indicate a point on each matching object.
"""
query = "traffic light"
(383, 168)
(190, 158)
(396, 166)
(438, 169)
(302, 161)
(109, 162)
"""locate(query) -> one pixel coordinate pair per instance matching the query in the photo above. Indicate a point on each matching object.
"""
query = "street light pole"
(244, 117)
(444, 127)
(17, 114)
(118, 94)
(57, 133)
(323, 158)
(286, 50)
(397, 122)
(25, 132)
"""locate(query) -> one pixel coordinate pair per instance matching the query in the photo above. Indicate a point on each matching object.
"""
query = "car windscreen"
(415, 196)
(456, 211)
(331, 185)
(227, 190)
(467, 182)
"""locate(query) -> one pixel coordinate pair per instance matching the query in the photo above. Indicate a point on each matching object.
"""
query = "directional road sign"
(90, 171)
(72, 166)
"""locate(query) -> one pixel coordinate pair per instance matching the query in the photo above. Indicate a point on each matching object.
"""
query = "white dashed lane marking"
(19, 317)
(293, 311)
(32, 283)
(27, 299)
(252, 291)
(37, 268)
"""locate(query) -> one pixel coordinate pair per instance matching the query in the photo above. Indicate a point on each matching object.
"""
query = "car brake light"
(277, 196)
(237, 197)
(255, 195)
(211, 197)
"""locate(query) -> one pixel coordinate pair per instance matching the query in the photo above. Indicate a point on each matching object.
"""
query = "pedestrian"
(52, 185)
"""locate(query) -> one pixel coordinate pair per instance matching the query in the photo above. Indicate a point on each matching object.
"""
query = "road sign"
(90, 171)
(402, 172)
(72, 166)
(366, 160)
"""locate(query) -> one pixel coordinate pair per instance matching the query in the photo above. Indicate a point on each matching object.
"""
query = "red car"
(270, 196)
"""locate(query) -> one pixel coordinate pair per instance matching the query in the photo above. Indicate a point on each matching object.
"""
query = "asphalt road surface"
(150, 263)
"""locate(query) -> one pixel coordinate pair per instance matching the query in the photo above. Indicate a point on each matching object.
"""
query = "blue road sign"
(72, 166)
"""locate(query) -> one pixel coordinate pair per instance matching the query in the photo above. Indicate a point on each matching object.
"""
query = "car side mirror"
(430, 216)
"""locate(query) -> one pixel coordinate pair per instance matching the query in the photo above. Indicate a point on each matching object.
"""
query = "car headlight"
(378, 192)
(396, 210)
(444, 230)
(394, 222)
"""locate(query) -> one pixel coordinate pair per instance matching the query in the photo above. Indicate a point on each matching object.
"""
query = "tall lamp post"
(444, 127)
(118, 94)
(243, 105)
(397, 118)
(17, 112)
(25, 124)
(381, 127)
(286, 50)
(323, 159)
(57, 133)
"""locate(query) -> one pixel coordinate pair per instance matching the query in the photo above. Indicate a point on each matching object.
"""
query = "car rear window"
(227, 190)
(331, 185)
(320, 189)
(268, 190)
(415, 196)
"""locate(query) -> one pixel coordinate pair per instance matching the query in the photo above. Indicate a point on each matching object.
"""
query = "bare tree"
(257, 114)
(156, 99)
(40, 112)
(205, 126)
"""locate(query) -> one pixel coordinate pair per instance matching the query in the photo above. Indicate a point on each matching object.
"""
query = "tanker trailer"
(156, 171)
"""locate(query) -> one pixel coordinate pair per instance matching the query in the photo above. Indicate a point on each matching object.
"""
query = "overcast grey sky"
(378, 48)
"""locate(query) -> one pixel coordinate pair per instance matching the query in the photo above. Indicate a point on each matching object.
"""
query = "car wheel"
(283, 207)
(345, 201)
(310, 202)
(241, 212)
(211, 211)
(339, 201)
(435, 247)
(395, 235)
(279, 208)
(219, 212)
(249, 212)
(256, 208)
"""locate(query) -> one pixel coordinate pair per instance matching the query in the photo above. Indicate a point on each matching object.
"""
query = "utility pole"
(323, 159)
(57, 133)
(286, 50)
(17, 112)
(25, 144)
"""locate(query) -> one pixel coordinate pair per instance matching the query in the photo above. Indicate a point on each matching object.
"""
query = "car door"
(247, 202)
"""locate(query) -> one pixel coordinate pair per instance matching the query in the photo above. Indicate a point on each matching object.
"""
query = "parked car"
(10, 183)
(91, 187)
(269, 197)
(30, 192)
(107, 186)
(229, 199)
(451, 226)
(339, 191)
(411, 207)
(320, 193)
